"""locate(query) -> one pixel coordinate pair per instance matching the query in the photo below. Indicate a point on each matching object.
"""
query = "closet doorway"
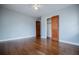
(48, 28)
(53, 28)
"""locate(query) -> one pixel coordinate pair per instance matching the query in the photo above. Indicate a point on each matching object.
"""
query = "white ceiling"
(29, 10)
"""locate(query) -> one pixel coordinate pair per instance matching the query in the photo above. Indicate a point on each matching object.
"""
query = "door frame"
(51, 26)
(39, 29)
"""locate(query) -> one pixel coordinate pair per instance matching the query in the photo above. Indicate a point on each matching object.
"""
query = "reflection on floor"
(34, 46)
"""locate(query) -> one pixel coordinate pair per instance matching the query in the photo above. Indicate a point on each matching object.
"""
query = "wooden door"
(55, 27)
(37, 29)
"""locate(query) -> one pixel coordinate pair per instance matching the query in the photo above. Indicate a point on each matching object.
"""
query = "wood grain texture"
(38, 28)
(55, 27)
(33, 46)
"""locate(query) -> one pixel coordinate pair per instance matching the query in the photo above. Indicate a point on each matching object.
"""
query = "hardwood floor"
(34, 46)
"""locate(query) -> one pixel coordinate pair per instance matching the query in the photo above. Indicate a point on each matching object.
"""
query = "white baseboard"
(17, 38)
(72, 43)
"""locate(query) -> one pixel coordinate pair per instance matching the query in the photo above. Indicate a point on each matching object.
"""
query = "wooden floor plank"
(32, 46)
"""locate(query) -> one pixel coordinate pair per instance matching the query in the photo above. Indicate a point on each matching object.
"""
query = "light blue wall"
(0, 23)
(78, 18)
(16, 25)
(68, 24)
